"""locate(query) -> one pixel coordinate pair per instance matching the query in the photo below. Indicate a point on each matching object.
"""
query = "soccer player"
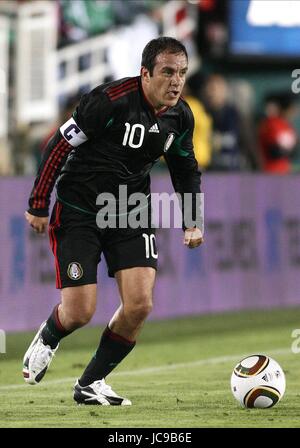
(117, 133)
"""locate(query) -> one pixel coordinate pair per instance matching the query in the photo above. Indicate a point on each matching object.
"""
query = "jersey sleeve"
(183, 167)
(88, 121)
(93, 113)
(53, 159)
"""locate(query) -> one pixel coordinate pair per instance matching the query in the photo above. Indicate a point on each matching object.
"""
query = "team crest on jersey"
(75, 271)
(169, 141)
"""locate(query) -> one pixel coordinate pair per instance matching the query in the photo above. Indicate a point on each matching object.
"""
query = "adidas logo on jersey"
(154, 128)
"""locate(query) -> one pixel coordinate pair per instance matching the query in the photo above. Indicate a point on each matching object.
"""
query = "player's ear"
(145, 74)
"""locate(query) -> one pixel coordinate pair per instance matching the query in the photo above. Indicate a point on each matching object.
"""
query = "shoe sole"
(26, 374)
(97, 403)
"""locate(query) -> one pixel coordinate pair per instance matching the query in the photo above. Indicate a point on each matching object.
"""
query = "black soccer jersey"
(114, 138)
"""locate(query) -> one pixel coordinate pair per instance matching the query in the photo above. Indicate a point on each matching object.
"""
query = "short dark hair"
(157, 46)
(283, 99)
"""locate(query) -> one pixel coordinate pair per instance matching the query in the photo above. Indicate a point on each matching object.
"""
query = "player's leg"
(76, 247)
(118, 339)
(136, 289)
(133, 265)
(75, 310)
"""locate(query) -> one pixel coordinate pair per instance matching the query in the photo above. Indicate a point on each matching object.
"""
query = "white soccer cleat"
(98, 393)
(37, 359)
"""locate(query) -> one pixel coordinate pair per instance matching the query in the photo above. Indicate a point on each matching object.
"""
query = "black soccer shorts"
(77, 244)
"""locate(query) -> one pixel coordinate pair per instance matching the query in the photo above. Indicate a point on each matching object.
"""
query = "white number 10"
(149, 245)
(130, 132)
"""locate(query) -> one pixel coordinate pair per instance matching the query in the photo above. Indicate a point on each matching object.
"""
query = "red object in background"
(276, 132)
(181, 14)
(207, 5)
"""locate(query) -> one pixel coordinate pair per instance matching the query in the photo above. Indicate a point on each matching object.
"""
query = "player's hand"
(39, 224)
(193, 237)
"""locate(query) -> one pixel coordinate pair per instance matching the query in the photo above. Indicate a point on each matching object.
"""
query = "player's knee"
(79, 318)
(78, 306)
(138, 311)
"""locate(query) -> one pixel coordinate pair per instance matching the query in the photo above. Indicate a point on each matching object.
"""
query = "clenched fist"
(39, 224)
(193, 238)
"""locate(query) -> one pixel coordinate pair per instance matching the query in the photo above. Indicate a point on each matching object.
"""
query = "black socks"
(112, 349)
(53, 331)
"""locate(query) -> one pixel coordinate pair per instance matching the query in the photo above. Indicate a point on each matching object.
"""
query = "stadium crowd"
(232, 131)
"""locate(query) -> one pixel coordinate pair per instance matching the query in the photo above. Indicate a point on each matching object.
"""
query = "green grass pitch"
(178, 376)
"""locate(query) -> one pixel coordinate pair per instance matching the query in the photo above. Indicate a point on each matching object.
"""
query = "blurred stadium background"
(243, 89)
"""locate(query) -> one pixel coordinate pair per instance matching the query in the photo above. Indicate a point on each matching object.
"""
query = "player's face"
(165, 85)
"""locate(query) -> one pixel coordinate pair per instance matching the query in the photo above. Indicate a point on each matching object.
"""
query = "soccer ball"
(258, 382)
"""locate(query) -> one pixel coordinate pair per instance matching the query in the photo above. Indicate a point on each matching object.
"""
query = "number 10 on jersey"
(130, 134)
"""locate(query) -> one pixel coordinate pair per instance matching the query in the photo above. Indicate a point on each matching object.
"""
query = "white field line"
(157, 369)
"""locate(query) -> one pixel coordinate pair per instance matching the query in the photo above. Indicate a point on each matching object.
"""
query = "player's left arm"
(186, 178)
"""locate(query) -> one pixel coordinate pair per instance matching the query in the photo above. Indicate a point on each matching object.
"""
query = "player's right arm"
(53, 159)
(89, 118)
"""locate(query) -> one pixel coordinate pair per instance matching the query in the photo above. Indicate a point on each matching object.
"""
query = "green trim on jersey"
(109, 123)
(95, 214)
(176, 145)
(75, 206)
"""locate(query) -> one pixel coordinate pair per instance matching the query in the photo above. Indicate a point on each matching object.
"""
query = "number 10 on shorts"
(150, 245)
